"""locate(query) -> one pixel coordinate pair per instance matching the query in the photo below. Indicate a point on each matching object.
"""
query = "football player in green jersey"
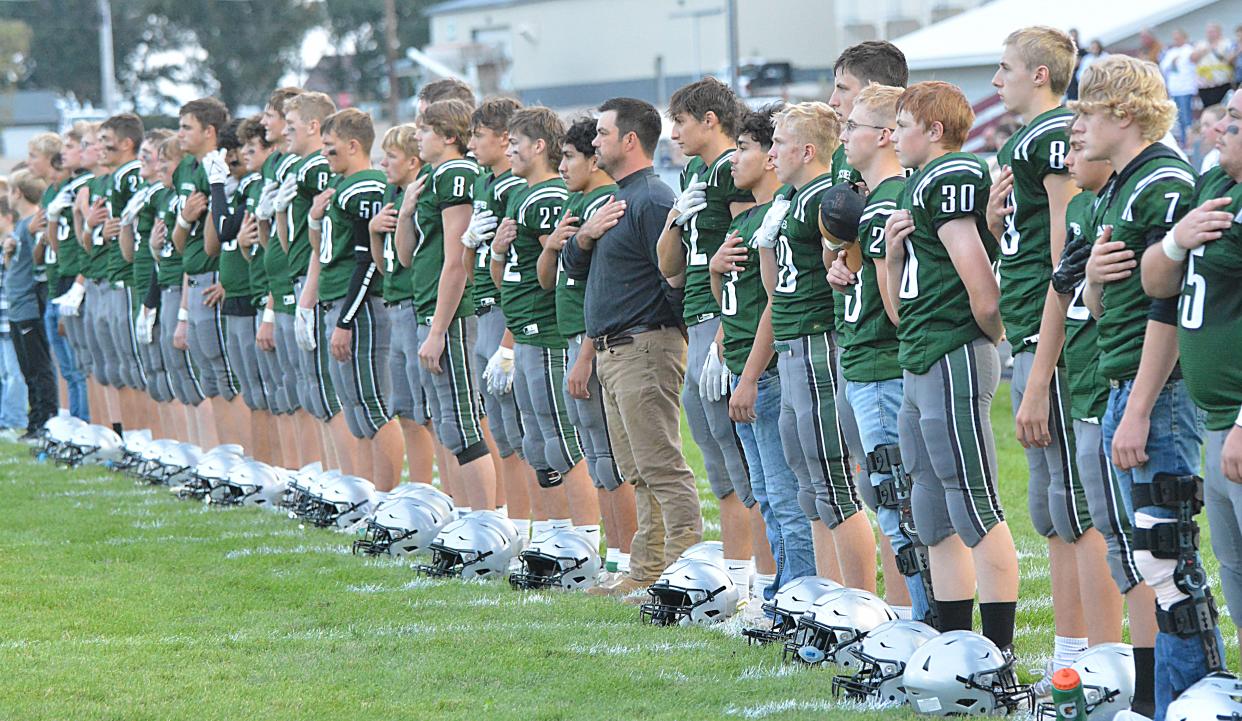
(871, 61)
(590, 187)
(704, 115)
(941, 283)
(406, 400)
(540, 353)
(1026, 212)
(137, 220)
(802, 144)
(348, 293)
(868, 335)
(46, 159)
(436, 208)
(741, 277)
(305, 179)
(1208, 242)
(70, 255)
(201, 122)
(493, 346)
(1151, 429)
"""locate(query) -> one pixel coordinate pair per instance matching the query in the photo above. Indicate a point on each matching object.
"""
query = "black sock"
(955, 615)
(1144, 681)
(998, 620)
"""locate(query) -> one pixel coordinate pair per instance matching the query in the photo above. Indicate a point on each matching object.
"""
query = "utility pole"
(731, 19)
(107, 69)
(390, 56)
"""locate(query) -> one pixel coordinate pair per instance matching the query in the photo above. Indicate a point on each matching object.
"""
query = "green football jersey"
(530, 311)
(1209, 330)
(866, 336)
(275, 259)
(256, 268)
(935, 308)
(705, 231)
(449, 184)
(126, 182)
(1141, 203)
(344, 234)
(1088, 389)
(313, 177)
(190, 178)
(743, 298)
(71, 257)
(491, 192)
(170, 267)
(570, 293)
(802, 298)
(144, 221)
(398, 279)
(50, 262)
(842, 171)
(95, 263)
(234, 269)
(1034, 152)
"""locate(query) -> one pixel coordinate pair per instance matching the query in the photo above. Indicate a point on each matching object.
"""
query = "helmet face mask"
(834, 625)
(882, 658)
(468, 548)
(787, 606)
(558, 559)
(400, 527)
(690, 591)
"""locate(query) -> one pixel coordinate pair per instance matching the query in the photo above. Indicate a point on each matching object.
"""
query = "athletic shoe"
(1043, 687)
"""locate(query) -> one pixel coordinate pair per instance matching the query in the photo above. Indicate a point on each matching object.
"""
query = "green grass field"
(119, 602)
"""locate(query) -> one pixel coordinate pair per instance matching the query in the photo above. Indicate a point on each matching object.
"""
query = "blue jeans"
(12, 388)
(775, 487)
(79, 406)
(1173, 446)
(1185, 116)
(876, 406)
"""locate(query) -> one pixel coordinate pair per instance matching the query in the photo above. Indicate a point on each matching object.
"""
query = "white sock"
(740, 571)
(612, 559)
(523, 526)
(903, 612)
(463, 510)
(623, 563)
(539, 528)
(591, 532)
(762, 581)
(562, 524)
(1066, 650)
(503, 510)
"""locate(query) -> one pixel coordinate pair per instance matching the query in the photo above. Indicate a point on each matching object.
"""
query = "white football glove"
(265, 211)
(714, 380)
(499, 372)
(62, 202)
(304, 329)
(482, 228)
(217, 170)
(765, 237)
(691, 201)
(144, 328)
(71, 301)
(285, 195)
(135, 205)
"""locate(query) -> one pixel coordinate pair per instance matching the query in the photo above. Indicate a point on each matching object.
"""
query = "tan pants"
(642, 397)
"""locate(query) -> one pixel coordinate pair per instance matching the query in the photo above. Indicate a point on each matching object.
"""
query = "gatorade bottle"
(1067, 696)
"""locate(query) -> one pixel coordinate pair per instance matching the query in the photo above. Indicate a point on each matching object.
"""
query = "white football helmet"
(562, 558)
(211, 470)
(92, 444)
(134, 445)
(503, 526)
(960, 673)
(250, 483)
(57, 431)
(1215, 696)
(788, 605)
(175, 463)
(710, 551)
(343, 502)
(401, 526)
(468, 548)
(429, 493)
(835, 624)
(690, 591)
(1107, 674)
(883, 654)
(147, 467)
(296, 485)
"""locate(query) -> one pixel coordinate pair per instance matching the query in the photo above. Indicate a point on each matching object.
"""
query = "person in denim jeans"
(1150, 428)
(746, 337)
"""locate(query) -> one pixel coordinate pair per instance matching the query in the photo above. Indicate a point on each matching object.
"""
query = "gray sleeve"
(577, 261)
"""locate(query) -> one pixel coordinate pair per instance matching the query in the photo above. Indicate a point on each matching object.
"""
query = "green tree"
(360, 24)
(14, 50)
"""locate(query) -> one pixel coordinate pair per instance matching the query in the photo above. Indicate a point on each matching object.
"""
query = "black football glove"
(1073, 266)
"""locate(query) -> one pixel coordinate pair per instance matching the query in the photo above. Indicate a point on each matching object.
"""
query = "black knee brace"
(1196, 615)
(472, 453)
(548, 478)
(894, 493)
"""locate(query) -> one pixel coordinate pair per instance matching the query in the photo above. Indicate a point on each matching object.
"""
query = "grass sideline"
(120, 602)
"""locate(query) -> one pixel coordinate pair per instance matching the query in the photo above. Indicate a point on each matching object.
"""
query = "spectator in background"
(1071, 92)
(1207, 152)
(25, 314)
(1150, 47)
(1214, 64)
(1182, 80)
(1237, 56)
(12, 384)
(1094, 52)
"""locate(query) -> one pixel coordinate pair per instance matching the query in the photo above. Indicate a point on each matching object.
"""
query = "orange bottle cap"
(1065, 679)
